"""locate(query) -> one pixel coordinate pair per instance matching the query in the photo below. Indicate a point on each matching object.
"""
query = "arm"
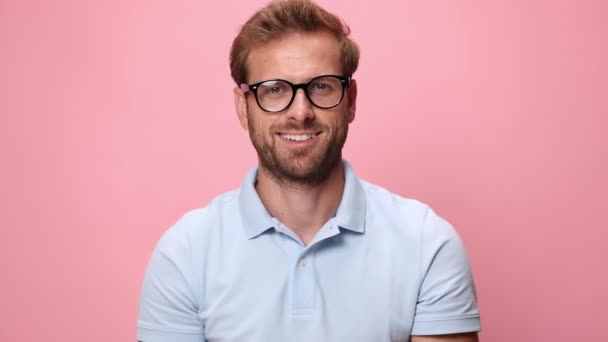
(168, 307)
(447, 305)
(469, 337)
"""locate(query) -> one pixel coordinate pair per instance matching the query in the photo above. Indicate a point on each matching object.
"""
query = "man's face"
(303, 143)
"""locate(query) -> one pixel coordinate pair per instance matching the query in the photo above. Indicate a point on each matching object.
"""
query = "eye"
(321, 87)
(274, 89)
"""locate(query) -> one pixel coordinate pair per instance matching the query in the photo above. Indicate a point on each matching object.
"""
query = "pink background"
(117, 117)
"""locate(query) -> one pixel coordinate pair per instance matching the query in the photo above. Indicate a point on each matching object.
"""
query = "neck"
(303, 208)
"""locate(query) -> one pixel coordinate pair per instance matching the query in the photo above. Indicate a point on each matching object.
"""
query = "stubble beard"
(303, 167)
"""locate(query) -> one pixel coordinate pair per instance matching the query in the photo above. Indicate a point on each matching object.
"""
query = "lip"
(300, 143)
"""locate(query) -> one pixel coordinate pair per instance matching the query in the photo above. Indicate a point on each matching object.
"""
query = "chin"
(311, 172)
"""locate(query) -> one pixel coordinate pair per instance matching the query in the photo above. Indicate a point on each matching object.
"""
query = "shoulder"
(399, 209)
(377, 195)
(181, 249)
(195, 224)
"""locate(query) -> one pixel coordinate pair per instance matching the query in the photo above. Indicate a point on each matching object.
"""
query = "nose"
(301, 109)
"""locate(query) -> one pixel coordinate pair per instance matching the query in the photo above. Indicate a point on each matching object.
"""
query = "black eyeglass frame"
(344, 81)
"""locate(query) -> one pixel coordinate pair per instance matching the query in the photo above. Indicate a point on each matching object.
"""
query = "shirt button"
(303, 262)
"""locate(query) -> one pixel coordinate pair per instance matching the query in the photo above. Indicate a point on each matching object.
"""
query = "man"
(304, 250)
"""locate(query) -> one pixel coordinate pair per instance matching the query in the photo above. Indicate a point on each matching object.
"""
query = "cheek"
(340, 121)
(261, 126)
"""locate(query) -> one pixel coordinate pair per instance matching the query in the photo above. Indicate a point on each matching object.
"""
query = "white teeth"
(297, 137)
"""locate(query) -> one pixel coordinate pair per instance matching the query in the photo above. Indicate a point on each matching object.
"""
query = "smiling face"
(303, 143)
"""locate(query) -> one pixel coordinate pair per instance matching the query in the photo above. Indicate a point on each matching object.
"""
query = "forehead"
(297, 57)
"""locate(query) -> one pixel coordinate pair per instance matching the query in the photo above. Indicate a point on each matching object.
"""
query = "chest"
(344, 289)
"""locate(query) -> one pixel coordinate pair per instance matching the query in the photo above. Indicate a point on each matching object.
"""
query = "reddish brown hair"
(282, 17)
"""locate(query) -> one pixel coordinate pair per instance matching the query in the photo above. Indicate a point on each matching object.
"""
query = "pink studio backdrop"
(117, 117)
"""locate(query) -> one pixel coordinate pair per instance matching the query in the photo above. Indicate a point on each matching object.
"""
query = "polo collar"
(256, 219)
(351, 212)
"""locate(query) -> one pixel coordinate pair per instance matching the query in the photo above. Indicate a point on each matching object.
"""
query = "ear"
(352, 100)
(240, 104)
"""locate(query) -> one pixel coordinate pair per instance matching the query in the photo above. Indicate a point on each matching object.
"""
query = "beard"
(307, 166)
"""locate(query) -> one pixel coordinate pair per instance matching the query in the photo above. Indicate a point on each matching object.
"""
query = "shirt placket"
(303, 279)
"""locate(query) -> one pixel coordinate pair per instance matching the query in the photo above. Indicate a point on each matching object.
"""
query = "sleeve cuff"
(446, 326)
(150, 335)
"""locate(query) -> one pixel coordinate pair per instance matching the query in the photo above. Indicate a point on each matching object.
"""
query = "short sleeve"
(168, 309)
(447, 301)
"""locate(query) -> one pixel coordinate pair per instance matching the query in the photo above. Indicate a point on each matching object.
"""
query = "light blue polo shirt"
(382, 269)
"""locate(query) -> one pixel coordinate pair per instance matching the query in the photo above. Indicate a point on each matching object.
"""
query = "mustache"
(301, 126)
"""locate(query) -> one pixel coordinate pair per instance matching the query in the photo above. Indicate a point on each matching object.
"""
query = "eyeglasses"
(276, 95)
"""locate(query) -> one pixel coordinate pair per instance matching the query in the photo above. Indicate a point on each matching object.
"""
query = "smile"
(297, 137)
